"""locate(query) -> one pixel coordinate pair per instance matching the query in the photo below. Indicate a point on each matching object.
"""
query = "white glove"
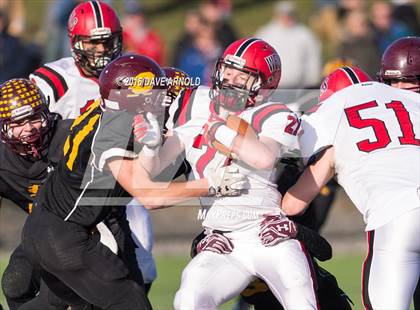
(227, 181)
(147, 130)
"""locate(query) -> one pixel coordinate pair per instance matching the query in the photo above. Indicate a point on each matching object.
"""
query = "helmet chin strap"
(34, 152)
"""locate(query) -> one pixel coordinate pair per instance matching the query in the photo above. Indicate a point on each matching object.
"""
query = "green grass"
(346, 268)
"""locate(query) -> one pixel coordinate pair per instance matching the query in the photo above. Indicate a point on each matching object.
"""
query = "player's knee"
(188, 299)
(15, 283)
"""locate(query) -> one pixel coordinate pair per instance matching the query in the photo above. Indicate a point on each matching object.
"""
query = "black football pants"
(75, 264)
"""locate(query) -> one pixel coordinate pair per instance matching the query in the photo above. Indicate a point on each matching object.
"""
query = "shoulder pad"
(54, 79)
(266, 111)
(185, 103)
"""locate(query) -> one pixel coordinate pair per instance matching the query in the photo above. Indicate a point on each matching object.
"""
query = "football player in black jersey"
(100, 168)
(32, 139)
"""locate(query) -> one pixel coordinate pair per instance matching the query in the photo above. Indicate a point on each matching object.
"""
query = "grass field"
(345, 267)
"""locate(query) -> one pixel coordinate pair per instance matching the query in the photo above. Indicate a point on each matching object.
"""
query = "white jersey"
(67, 90)
(375, 131)
(272, 120)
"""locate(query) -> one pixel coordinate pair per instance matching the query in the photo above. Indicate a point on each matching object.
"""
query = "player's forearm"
(150, 163)
(254, 153)
(163, 194)
(309, 184)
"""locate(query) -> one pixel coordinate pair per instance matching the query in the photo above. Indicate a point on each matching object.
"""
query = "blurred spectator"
(57, 42)
(405, 13)
(191, 24)
(199, 58)
(137, 36)
(217, 12)
(17, 60)
(358, 44)
(345, 7)
(16, 13)
(299, 50)
(386, 30)
(326, 24)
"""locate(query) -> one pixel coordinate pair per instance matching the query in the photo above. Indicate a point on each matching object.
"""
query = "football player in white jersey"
(70, 85)
(368, 135)
(241, 242)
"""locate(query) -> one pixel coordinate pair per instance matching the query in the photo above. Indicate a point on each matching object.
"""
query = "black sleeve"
(113, 138)
(317, 245)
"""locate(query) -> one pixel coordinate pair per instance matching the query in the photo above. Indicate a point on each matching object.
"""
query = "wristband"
(225, 135)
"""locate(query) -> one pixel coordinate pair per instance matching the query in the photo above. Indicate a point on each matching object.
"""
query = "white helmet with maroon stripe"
(254, 57)
(94, 22)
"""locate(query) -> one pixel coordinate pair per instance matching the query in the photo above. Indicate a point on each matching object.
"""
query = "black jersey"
(21, 176)
(81, 190)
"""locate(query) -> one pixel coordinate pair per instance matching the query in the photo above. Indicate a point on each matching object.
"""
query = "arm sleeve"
(321, 127)
(113, 138)
(282, 127)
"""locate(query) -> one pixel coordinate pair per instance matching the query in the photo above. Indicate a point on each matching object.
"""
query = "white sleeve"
(320, 128)
(283, 128)
(169, 125)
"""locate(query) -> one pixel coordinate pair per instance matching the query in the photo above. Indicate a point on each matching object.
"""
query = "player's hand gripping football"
(147, 131)
(275, 229)
(227, 181)
(216, 243)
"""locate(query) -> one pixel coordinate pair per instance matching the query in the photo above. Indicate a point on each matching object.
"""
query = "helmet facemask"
(415, 80)
(152, 101)
(234, 97)
(35, 142)
(89, 59)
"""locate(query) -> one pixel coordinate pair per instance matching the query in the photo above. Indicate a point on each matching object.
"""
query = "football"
(243, 128)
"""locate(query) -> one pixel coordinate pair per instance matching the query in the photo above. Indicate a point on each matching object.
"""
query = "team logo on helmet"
(73, 20)
(143, 83)
(273, 62)
(324, 85)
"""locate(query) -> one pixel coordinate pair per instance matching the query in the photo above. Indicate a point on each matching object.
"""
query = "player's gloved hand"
(216, 243)
(226, 181)
(147, 130)
(276, 228)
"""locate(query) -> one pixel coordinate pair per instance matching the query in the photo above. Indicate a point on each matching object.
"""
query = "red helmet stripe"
(244, 46)
(351, 74)
(98, 14)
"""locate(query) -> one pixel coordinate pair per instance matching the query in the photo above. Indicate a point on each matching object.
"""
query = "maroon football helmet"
(94, 22)
(133, 83)
(22, 101)
(177, 81)
(256, 58)
(401, 61)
